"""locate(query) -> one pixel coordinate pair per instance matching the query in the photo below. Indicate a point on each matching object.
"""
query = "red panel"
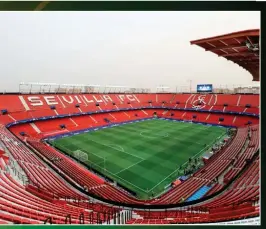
(39, 105)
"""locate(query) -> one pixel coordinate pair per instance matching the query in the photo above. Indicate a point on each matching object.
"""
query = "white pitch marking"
(176, 169)
(128, 182)
(130, 166)
(116, 149)
(122, 178)
(118, 146)
(183, 164)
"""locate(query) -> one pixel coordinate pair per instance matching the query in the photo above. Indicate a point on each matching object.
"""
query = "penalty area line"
(130, 166)
(118, 177)
(116, 149)
(126, 181)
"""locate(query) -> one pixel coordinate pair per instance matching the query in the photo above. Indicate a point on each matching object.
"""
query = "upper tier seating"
(21, 107)
(45, 128)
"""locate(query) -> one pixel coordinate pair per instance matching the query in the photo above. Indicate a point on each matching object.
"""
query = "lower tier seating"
(237, 202)
(17, 205)
(38, 173)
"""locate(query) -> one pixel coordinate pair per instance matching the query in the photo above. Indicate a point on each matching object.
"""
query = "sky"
(134, 49)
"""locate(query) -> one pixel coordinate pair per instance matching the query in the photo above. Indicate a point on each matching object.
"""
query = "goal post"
(90, 159)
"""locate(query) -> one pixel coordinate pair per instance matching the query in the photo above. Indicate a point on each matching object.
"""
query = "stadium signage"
(199, 103)
(74, 99)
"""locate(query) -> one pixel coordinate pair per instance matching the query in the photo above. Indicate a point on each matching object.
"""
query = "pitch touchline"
(127, 181)
(130, 166)
(187, 161)
(182, 165)
(221, 136)
(120, 171)
(176, 170)
(116, 149)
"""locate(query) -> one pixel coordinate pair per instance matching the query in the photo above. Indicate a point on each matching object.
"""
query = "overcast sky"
(138, 49)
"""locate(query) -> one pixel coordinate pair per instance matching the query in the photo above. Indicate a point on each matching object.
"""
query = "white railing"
(31, 88)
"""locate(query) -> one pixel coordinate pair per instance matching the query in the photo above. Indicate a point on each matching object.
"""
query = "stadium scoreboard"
(204, 88)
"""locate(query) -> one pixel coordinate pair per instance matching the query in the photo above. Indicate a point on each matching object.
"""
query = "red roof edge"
(251, 32)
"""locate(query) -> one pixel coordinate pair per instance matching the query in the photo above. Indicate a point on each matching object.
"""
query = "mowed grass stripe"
(114, 138)
(104, 153)
(152, 124)
(151, 138)
(148, 133)
(135, 143)
(123, 135)
(145, 159)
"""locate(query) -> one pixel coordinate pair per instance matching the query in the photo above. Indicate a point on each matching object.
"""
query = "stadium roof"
(240, 47)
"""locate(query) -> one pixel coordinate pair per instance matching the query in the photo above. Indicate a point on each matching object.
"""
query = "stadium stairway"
(199, 193)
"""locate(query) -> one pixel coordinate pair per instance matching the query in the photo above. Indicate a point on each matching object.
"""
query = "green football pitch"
(143, 156)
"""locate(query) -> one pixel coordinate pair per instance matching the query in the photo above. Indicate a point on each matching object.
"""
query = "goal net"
(89, 158)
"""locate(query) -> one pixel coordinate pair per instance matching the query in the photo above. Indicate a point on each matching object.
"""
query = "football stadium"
(86, 154)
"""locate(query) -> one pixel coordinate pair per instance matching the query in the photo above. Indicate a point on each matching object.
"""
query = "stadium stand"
(231, 205)
(38, 106)
(40, 184)
(37, 158)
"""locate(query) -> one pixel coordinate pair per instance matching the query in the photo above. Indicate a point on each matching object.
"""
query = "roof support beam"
(250, 41)
(211, 44)
(223, 42)
(237, 40)
(227, 47)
